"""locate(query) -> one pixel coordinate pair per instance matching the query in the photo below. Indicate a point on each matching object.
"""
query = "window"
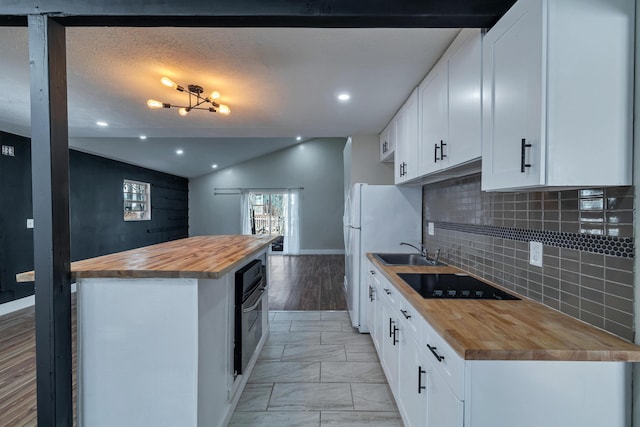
(137, 200)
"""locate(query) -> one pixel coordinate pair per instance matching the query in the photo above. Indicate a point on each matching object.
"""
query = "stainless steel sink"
(406, 259)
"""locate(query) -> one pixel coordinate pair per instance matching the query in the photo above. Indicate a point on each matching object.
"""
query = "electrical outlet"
(431, 229)
(29, 222)
(535, 254)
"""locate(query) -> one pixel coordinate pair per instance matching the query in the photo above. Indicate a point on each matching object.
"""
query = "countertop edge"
(84, 273)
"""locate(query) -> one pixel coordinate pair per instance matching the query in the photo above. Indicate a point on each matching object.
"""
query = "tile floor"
(315, 370)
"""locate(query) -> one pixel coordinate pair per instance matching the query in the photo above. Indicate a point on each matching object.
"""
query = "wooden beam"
(50, 174)
(275, 13)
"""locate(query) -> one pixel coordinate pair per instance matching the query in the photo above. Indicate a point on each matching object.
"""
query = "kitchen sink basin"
(406, 259)
(458, 286)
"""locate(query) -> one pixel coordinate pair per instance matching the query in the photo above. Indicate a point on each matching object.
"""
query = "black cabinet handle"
(420, 386)
(395, 331)
(523, 148)
(387, 291)
(370, 293)
(435, 153)
(390, 327)
(404, 313)
(442, 155)
(373, 273)
(384, 147)
(433, 351)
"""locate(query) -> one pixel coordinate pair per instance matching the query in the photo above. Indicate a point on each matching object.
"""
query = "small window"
(137, 200)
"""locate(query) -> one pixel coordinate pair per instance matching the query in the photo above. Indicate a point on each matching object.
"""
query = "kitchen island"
(487, 363)
(156, 332)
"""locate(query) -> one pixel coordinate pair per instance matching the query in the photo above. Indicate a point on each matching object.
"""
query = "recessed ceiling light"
(103, 124)
(179, 151)
(143, 136)
(344, 97)
(298, 138)
(214, 166)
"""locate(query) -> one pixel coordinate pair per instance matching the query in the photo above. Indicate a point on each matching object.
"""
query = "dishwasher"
(250, 286)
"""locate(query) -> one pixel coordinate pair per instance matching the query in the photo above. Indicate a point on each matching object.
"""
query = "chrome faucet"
(421, 249)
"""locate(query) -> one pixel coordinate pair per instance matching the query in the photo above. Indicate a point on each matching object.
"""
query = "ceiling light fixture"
(103, 124)
(344, 97)
(298, 138)
(143, 137)
(179, 152)
(195, 99)
(214, 166)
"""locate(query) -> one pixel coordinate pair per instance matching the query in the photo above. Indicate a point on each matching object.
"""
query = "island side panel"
(215, 352)
(531, 393)
(137, 352)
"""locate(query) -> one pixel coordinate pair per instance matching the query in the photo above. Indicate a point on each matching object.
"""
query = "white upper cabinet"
(388, 142)
(450, 107)
(406, 154)
(557, 95)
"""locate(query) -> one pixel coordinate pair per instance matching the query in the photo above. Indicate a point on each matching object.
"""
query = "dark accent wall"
(96, 211)
(587, 237)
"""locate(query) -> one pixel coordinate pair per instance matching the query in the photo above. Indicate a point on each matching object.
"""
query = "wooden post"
(50, 172)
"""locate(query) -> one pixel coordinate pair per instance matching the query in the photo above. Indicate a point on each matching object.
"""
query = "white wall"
(315, 165)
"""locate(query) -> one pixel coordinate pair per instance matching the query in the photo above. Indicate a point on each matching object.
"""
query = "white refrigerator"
(377, 218)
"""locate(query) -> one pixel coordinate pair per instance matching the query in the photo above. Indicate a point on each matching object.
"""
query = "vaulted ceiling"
(280, 83)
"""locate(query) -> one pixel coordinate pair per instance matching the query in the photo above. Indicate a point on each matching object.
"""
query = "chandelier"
(196, 100)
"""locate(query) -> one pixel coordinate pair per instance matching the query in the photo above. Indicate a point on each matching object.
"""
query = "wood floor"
(306, 282)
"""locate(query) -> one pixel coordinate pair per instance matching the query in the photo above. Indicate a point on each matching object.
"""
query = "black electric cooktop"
(454, 286)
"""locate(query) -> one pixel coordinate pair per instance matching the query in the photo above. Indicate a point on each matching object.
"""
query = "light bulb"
(224, 109)
(152, 103)
(168, 82)
(183, 112)
(214, 95)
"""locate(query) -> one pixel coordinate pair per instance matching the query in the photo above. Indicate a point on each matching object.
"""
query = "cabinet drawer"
(444, 359)
(410, 318)
(388, 292)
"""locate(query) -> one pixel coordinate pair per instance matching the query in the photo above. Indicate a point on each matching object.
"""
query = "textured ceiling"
(278, 82)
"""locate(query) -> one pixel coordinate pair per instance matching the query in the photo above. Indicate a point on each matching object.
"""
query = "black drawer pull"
(435, 153)
(523, 148)
(420, 386)
(433, 351)
(442, 155)
(387, 291)
(405, 314)
(391, 322)
(395, 331)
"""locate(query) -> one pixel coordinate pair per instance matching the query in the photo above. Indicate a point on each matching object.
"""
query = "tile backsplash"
(587, 238)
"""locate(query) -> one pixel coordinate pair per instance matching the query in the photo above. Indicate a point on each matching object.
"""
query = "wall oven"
(250, 286)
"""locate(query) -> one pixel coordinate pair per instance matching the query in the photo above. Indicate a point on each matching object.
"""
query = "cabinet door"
(389, 339)
(465, 123)
(434, 121)
(513, 96)
(407, 140)
(412, 380)
(443, 407)
(372, 308)
(387, 142)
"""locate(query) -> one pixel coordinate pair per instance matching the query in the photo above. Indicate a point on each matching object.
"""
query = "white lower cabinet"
(435, 387)
(444, 409)
(374, 310)
(412, 381)
(390, 347)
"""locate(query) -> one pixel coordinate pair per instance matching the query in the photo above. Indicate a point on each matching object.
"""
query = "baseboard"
(321, 251)
(19, 304)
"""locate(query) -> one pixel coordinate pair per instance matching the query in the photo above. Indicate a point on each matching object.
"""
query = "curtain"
(292, 223)
(245, 218)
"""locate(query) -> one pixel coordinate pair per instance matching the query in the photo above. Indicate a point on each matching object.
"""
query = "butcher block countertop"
(200, 257)
(509, 330)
